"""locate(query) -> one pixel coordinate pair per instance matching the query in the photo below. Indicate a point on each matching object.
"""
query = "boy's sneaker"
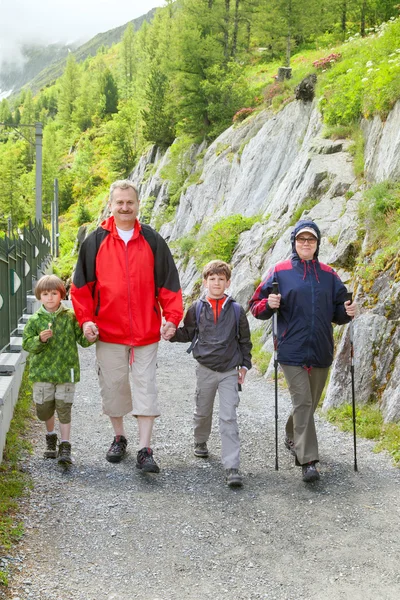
(289, 444)
(233, 478)
(51, 445)
(117, 450)
(200, 449)
(310, 472)
(64, 454)
(146, 462)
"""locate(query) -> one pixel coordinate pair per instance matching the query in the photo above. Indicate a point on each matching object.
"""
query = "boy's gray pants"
(305, 389)
(208, 383)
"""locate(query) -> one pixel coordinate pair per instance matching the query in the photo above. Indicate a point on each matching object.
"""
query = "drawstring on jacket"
(305, 270)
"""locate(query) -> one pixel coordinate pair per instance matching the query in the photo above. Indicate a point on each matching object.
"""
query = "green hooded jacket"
(57, 360)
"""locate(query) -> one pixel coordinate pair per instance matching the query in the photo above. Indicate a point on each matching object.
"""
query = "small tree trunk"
(235, 29)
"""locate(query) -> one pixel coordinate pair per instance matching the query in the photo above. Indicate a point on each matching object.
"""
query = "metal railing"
(20, 258)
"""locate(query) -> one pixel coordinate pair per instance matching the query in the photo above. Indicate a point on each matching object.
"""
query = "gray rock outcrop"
(278, 168)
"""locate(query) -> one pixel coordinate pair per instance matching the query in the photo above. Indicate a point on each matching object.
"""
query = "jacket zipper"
(312, 312)
(129, 290)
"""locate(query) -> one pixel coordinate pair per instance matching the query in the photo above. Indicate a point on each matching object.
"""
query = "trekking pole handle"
(275, 287)
(349, 297)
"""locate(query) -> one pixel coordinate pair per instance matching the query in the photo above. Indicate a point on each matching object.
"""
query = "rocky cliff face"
(271, 166)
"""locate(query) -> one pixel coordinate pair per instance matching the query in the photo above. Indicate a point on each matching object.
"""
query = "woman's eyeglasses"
(303, 240)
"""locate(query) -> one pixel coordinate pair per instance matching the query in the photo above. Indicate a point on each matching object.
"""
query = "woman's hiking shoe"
(146, 462)
(289, 444)
(117, 449)
(200, 449)
(310, 472)
(64, 454)
(233, 478)
(51, 445)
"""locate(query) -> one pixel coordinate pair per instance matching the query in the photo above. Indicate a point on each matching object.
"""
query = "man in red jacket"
(125, 281)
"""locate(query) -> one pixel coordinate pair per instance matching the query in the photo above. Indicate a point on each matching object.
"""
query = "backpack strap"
(236, 308)
(198, 306)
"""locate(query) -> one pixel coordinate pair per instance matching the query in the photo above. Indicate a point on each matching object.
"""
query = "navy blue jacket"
(313, 298)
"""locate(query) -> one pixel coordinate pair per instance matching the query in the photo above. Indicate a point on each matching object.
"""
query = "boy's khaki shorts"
(52, 397)
(113, 368)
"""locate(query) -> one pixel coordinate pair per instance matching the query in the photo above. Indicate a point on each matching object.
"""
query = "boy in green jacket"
(51, 336)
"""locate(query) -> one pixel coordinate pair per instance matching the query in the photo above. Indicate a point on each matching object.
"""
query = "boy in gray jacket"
(219, 331)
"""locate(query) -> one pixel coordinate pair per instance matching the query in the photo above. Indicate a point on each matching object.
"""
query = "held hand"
(45, 335)
(241, 374)
(90, 331)
(168, 330)
(351, 308)
(274, 301)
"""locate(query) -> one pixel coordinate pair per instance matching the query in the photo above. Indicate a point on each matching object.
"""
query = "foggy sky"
(48, 21)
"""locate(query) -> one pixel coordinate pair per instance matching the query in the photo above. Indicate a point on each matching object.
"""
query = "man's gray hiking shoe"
(117, 450)
(146, 462)
(289, 444)
(310, 472)
(233, 478)
(200, 449)
(64, 454)
(51, 445)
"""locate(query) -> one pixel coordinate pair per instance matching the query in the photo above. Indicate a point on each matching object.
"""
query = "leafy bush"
(242, 114)
(327, 61)
(82, 215)
(221, 240)
(260, 358)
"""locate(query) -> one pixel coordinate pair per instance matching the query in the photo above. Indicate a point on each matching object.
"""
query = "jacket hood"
(308, 223)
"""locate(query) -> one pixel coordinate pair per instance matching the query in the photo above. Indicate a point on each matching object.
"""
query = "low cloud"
(50, 21)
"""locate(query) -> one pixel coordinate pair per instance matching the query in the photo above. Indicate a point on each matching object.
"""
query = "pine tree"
(159, 126)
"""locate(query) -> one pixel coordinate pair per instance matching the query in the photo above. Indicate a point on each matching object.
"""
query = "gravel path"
(107, 532)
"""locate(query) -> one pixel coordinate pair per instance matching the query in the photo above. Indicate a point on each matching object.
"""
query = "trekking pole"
(275, 290)
(353, 401)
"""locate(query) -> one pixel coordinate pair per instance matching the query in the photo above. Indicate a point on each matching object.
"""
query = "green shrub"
(260, 358)
(370, 425)
(82, 214)
(146, 209)
(308, 204)
(221, 240)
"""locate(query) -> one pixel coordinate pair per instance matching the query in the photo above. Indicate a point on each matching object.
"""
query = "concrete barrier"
(12, 366)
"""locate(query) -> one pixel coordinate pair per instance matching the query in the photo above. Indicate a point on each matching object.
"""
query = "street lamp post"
(38, 146)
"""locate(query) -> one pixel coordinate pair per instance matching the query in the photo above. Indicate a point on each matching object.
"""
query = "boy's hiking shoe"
(289, 444)
(310, 472)
(146, 462)
(64, 454)
(51, 445)
(200, 449)
(233, 478)
(117, 449)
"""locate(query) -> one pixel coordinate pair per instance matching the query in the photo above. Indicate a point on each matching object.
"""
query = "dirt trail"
(105, 532)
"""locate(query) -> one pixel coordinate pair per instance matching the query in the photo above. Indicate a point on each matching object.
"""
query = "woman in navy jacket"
(311, 297)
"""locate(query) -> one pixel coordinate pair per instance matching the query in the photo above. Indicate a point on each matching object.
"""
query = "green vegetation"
(260, 358)
(305, 206)
(222, 239)
(380, 214)
(14, 483)
(370, 425)
(198, 67)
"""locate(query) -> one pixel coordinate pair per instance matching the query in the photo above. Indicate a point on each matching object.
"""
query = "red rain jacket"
(123, 287)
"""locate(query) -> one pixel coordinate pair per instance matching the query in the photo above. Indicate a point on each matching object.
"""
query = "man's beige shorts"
(113, 370)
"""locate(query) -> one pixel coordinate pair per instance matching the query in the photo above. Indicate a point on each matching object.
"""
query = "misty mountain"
(44, 64)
